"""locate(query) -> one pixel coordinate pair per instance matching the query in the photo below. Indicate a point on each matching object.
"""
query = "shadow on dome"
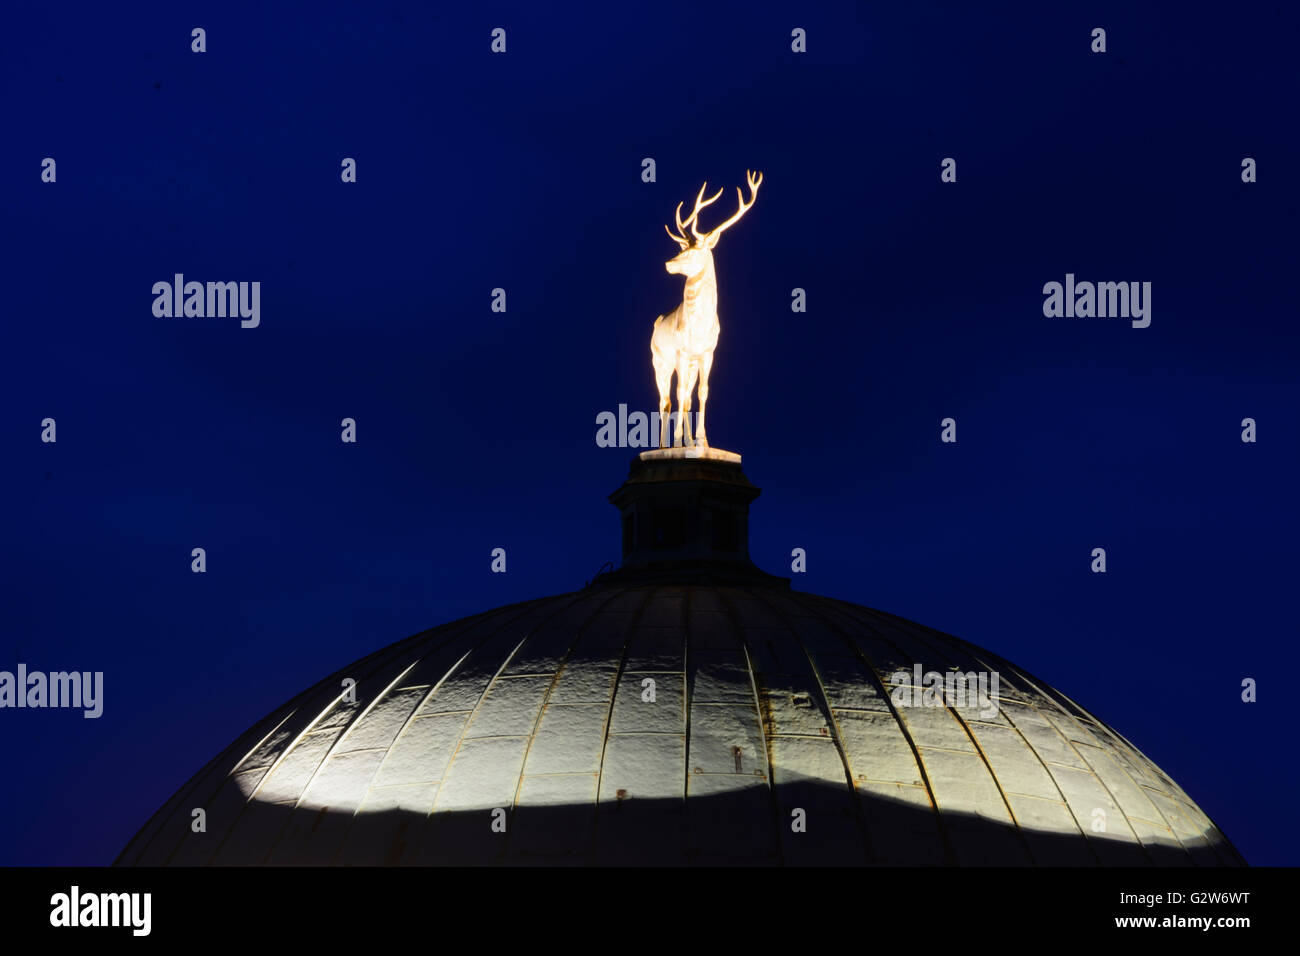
(746, 825)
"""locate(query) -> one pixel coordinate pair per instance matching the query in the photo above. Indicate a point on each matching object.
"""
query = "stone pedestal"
(685, 516)
(697, 452)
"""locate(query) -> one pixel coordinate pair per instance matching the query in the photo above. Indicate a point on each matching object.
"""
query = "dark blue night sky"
(476, 429)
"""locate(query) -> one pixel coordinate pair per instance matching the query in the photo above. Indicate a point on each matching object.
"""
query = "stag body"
(683, 340)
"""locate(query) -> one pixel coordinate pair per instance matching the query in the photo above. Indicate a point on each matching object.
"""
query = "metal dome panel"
(678, 724)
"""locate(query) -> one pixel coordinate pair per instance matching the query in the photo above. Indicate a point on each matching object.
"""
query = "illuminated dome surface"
(693, 721)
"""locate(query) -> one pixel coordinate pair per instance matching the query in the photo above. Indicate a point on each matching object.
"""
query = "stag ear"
(711, 240)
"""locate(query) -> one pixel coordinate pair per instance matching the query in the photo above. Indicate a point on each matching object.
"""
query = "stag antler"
(713, 234)
(700, 202)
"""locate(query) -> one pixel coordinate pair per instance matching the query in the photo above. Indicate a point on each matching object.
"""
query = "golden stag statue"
(684, 339)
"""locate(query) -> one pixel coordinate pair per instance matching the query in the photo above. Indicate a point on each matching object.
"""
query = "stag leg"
(692, 372)
(684, 384)
(663, 353)
(706, 364)
(664, 380)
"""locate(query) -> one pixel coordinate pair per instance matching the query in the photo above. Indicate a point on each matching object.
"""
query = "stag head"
(697, 248)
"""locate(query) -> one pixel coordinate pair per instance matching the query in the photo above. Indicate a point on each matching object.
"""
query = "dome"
(686, 709)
